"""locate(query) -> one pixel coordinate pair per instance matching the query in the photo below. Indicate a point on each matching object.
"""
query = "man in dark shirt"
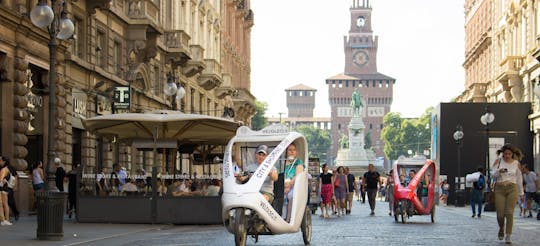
(372, 181)
(350, 192)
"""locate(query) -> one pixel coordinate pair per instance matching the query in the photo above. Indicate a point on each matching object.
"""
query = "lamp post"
(458, 135)
(51, 202)
(486, 119)
(174, 90)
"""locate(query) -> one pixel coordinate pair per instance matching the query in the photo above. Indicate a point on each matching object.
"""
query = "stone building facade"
(376, 89)
(510, 72)
(120, 46)
(478, 49)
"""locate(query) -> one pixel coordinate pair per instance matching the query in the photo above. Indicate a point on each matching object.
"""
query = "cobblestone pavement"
(453, 226)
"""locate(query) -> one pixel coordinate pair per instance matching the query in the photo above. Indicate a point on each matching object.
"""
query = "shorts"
(39, 186)
(530, 195)
(350, 196)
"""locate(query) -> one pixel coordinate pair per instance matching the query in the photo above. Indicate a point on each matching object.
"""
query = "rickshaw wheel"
(403, 212)
(433, 214)
(240, 231)
(306, 227)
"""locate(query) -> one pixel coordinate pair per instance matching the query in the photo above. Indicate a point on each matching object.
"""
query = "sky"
(421, 45)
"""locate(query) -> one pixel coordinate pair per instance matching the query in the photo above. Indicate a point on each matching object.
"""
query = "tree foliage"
(318, 141)
(259, 121)
(368, 143)
(401, 135)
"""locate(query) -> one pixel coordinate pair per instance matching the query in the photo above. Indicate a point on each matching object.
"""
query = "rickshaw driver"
(267, 188)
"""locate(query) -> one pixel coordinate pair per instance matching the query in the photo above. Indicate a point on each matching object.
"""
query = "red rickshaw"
(408, 197)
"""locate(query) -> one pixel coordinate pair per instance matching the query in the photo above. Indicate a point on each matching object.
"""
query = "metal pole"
(458, 181)
(487, 156)
(53, 43)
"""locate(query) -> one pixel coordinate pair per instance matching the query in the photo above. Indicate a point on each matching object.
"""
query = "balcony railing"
(510, 66)
(211, 75)
(143, 9)
(196, 64)
(176, 44)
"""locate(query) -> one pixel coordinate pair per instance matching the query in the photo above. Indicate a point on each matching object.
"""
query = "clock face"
(360, 58)
(361, 21)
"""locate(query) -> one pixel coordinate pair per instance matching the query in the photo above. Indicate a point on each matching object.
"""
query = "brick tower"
(300, 101)
(376, 89)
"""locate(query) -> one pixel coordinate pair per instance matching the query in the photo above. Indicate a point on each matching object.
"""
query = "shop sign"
(103, 105)
(79, 103)
(122, 98)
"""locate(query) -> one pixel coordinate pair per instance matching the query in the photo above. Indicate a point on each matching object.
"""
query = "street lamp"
(458, 135)
(51, 202)
(174, 90)
(486, 119)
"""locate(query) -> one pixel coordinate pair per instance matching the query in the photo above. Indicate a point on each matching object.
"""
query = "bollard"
(50, 215)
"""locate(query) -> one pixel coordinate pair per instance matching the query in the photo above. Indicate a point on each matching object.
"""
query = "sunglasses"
(261, 153)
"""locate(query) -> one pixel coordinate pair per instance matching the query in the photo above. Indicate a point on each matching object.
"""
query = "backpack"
(481, 183)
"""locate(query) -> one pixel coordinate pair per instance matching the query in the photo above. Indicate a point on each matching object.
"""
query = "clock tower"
(376, 89)
(360, 45)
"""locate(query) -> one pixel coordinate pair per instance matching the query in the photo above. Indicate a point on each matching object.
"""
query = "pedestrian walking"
(340, 190)
(4, 177)
(11, 187)
(372, 181)
(350, 190)
(357, 183)
(326, 190)
(445, 188)
(507, 171)
(362, 190)
(390, 191)
(60, 174)
(529, 179)
(72, 189)
(476, 194)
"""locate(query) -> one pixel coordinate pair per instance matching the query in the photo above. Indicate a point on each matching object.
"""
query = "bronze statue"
(356, 103)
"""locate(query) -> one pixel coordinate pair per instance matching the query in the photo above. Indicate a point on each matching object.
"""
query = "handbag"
(337, 182)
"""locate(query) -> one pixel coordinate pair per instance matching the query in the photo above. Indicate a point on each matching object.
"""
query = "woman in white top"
(37, 176)
(507, 171)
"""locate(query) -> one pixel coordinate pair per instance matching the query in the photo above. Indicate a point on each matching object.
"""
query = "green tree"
(318, 141)
(368, 143)
(259, 121)
(391, 135)
(401, 135)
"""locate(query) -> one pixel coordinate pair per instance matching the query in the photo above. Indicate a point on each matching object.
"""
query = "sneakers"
(473, 215)
(5, 223)
(372, 213)
(507, 239)
(479, 216)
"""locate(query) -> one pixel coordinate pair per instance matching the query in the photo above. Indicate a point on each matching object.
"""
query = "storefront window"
(177, 175)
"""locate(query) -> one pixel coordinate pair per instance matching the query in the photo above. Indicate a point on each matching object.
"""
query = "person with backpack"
(476, 195)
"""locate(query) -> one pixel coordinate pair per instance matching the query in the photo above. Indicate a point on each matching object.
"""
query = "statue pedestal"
(355, 156)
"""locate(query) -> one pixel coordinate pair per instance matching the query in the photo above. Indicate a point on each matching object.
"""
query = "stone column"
(20, 114)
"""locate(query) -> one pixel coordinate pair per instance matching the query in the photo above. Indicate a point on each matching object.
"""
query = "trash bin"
(50, 215)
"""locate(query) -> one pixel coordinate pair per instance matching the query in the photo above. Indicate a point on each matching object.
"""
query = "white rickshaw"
(245, 210)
